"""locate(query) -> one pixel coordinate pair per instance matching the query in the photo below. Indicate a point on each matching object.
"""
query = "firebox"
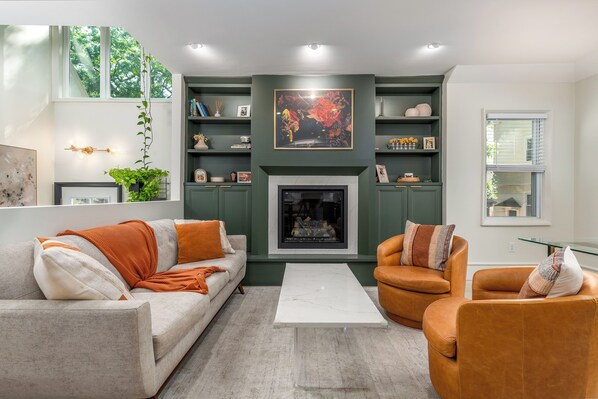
(312, 217)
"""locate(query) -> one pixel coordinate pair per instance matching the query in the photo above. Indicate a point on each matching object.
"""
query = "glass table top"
(584, 245)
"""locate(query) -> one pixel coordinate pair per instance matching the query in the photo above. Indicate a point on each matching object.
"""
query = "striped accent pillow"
(558, 275)
(427, 245)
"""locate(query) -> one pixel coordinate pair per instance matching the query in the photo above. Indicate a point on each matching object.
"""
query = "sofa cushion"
(64, 272)
(427, 245)
(167, 243)
(545, 280)
(232, 263)
(172, 314)
(16, 269)
(89, 249)
(440, 325)
(216, 281)
(198, 241)
(227, 247)
(413, 278)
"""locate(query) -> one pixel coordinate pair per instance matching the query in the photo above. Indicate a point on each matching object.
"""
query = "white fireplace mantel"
(352, 184)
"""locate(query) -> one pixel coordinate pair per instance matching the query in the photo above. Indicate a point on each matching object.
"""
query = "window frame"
(63, 69)
(540, 175)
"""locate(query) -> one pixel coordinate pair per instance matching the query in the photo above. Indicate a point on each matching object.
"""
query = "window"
(514, 146)
(105, 63)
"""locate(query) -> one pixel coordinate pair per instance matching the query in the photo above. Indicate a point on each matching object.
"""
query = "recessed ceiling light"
(433, 46)
(195, 46)
(314, 46)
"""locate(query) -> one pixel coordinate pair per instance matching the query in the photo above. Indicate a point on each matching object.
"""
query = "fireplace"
(312, 217)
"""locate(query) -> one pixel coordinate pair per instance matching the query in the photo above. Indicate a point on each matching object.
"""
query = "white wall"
(107, 124)
(586, 175)
(465, 100)
(26, 110)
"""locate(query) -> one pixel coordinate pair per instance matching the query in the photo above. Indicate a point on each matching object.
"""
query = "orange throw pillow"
(199, 241)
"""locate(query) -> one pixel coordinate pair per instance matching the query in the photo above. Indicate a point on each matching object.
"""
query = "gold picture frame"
(313, 119)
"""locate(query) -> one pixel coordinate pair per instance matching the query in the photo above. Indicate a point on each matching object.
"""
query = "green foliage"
(148, 179)
(125, 63)
(84, 54)
(125, 59)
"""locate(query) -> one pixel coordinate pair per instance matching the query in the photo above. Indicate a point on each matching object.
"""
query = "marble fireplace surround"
(352, 198)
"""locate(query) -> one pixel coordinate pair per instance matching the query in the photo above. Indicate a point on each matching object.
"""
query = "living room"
(481, 116)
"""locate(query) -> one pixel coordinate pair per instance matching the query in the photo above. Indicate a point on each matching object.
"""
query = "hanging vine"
(145, 112)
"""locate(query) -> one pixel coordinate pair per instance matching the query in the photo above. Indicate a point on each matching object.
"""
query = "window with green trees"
(105, 63)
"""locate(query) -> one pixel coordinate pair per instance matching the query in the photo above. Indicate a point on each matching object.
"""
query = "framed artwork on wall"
(87, 193)
(18, 176)
(313, 119)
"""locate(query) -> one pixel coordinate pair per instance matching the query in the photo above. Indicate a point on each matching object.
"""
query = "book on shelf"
(192, 108)
(198, 110)
(204, 109)
(241, 145)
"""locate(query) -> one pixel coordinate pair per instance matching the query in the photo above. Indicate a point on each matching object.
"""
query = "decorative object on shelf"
(429, 143)
(402, 143)
(217, 179)
(424, 109)
(313, 119)
(412, 112)
(233, 176)
(244, 177)
(408, 178)
(245, 139)
(244, 111)
(381, 173)
(218, 107)
(143, 183)
(87, 150)
(246, 146)
(18, 176)
(87, 193)
(200, 176)
(201, 142)
(381, 107)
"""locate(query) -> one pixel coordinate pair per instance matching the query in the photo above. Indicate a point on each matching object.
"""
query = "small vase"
(200, 146)
(217, 115)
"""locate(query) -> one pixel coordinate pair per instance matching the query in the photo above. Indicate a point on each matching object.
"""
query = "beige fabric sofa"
(102, 349)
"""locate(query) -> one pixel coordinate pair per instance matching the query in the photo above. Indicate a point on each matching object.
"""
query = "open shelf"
(408, 152)
(407, 120)
(221, 119)
(225, 183)
(220, 152)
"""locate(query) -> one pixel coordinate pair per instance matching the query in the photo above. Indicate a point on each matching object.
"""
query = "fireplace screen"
(312, 217)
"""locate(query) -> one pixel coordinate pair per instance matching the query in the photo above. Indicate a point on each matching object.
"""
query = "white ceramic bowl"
(217, 179)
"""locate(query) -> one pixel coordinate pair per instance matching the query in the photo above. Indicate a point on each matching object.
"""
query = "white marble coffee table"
(324, 296)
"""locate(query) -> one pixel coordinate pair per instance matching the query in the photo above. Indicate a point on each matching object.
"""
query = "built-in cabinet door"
(201, 202)
(392, 211)
(235, 209)
(425, 204)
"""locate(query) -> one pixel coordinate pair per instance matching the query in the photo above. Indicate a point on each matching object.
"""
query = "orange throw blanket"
(131, 247)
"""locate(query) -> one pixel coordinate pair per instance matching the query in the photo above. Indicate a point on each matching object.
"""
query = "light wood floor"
(241, 356)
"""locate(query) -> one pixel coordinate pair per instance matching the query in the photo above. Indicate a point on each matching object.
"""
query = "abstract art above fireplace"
(313, 119)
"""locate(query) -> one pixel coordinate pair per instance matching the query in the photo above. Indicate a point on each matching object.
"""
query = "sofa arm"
(499, 282)
(389, 251)
(76, 349)
(238, 242)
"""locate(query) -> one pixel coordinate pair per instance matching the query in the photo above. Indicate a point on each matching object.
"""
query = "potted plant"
(143, 183)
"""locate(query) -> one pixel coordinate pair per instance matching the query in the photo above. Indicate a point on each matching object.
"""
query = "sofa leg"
(241, 289)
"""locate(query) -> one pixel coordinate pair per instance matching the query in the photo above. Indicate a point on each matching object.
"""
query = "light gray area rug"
(241, 356)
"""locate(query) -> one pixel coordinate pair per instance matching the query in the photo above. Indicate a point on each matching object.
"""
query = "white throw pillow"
(570, 278)
(64, 272)
(226, 247)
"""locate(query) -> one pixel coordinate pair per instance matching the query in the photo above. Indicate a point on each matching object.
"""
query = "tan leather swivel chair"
(406, 291)
(514, 349)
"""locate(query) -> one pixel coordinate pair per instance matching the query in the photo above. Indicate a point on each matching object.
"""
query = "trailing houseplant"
(143, 183)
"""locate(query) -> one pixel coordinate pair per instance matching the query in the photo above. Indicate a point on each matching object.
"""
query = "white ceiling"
(384, 37)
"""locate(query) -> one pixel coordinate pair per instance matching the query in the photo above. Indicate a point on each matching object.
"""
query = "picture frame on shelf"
(243, 177)
(429, 143)
(314, 119)
(200, 176)
(243, 111)
(381, 173)
(87, 193)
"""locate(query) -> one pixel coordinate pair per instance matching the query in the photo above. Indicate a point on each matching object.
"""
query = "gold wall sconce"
(88, 150)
